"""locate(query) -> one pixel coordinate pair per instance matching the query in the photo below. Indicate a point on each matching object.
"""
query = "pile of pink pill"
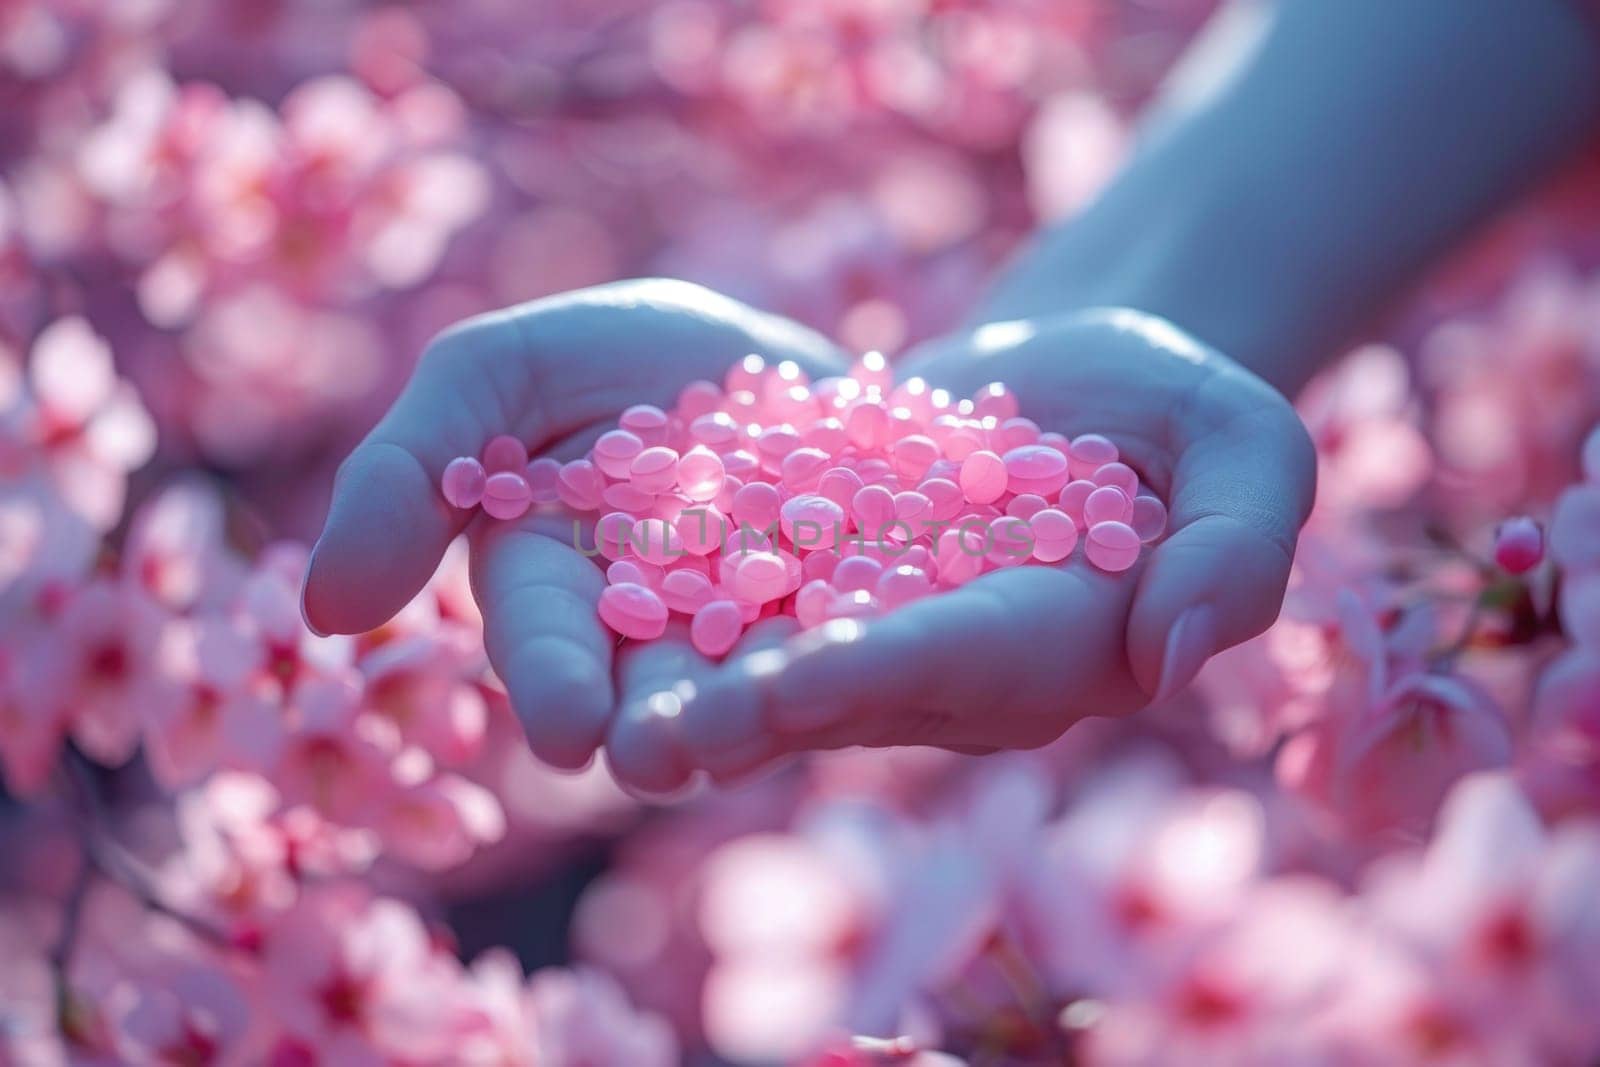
(842, 497)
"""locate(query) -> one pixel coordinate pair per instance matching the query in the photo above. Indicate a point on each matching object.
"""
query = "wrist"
(1201, 258)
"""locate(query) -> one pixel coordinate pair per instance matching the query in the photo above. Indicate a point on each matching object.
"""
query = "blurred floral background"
(227, 229)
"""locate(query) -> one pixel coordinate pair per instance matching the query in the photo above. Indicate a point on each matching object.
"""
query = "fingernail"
(305, 580)
(1193, 638)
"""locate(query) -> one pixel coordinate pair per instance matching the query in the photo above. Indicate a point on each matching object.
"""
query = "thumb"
(388, 525)
(1241, 490)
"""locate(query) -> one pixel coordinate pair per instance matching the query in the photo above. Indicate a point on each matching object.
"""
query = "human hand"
(1013, 658)
(553, 373)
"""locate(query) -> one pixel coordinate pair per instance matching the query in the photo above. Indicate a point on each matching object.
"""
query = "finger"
(657, 678)
(536, 372)
(1009, 660)
(387, 523)
(723, 729)
(538, 595)
(1242, 486)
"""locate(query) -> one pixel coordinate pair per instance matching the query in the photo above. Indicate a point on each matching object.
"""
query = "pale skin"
(1240, 246)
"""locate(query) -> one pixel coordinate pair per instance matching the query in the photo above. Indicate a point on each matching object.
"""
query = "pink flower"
(420, 685)
(1382, 762)
(1385, 769)
(439, 822)
(1363, 418)
(101, 670)
(326, 761)
(196, 1015)
(225, 716)
(1134, 872)
(583, 1019)
(176, 550)
(80, 425)
(360, 980)
(1500, 910)
(1242, 996)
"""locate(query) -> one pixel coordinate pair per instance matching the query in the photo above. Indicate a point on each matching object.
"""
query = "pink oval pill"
(716, 627)
(1026, 506)
(840, 485)
(1112, 546)
(1118, 474)
(633, 610)
(811, 603)
(995, 400)
(544, 475)
(1035, 463)
(901, 585)
(1149, 518)
(874, 470)
(983, 477)
(1106, 504)
(873, 509)
(701, 528)
(944, 498)
(506, 495)
(463, 481)
(625, 496)
(654, 470)
(504, 453)
(958, 559)
(613, 534)
(820, 564)
(1090, 452)
(656, 541)
(646, 422)
(826, 434)
(579, 485)
(614, 452)
(686, 591)
(757, 505)
(913, 456)
(857, 605)
(1012, 541)
(966, 438)
(699, 397)
(745, 374)
(811, 521)
(724, 498)
(856, 572)
(773, 443)
(867, 424)
(741, 540)
(915, 396)
(625, 570)
(700, 474)
(1074, 495)
(718, 431)
(915, 509)
(760, 577)
(1057, 441)
(872, 369)
(741, 464)
(802, 469)
(1055, 535)
(1015, 433)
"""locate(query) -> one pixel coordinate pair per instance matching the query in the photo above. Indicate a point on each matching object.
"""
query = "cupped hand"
(553, 373)
(1013, 658)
